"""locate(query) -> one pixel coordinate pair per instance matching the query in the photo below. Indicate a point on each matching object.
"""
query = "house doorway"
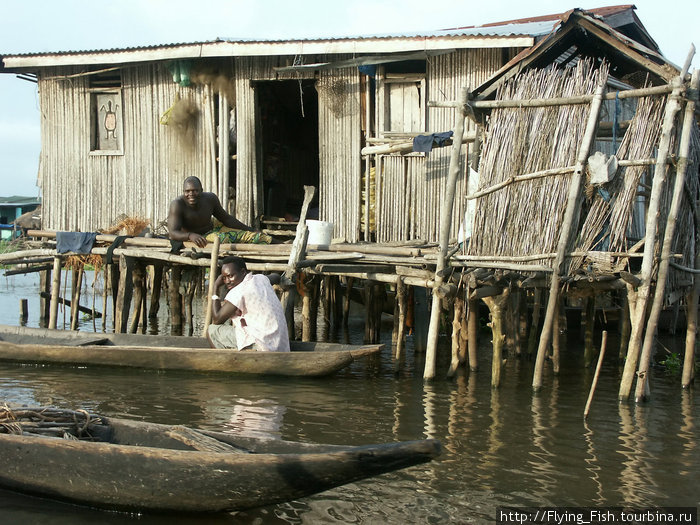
(288, 146)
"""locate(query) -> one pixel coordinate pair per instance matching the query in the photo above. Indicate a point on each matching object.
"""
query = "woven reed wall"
(412, 188)
(525, 218)
(83, 192)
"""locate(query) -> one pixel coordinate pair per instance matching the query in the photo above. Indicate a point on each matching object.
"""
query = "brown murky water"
(501, 448)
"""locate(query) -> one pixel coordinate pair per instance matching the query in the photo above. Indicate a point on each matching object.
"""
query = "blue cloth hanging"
(76, 242)
(425, 143)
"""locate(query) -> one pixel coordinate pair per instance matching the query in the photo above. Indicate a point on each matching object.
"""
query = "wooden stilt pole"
(666, 249)
(445, 227)
(646, 272)
(589, 346)
(44, 300)
(625, 326)
(296, 254)
(603, 343)
(139, 292)
(573, 206)
(213, 274)
(497, 306)
(55, 289)
(155, 291)
(23, 312)
(472, 331)
(556, 340)
(306, 304)
(535, 324)
(76, 286)
(105, 286)
(124, 294)
(401, 309)
(346, 302)
(456, 334)
(175, 300)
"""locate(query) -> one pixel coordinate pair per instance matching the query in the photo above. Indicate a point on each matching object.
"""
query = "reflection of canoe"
(38, 345)
(137, 466)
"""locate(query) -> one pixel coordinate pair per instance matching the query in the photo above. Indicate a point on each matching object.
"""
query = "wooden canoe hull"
(146, 478)
(34, 345)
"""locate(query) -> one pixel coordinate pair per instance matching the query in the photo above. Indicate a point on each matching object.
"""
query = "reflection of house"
(257, 120)
(11, 208)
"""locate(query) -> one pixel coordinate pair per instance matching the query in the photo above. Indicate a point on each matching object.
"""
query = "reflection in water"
(636, 476)
(499, 448)
(259, 418)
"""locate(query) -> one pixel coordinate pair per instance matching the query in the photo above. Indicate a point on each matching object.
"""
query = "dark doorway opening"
(288, 145)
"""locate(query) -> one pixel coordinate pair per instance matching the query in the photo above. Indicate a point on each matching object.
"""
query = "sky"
(31, 26)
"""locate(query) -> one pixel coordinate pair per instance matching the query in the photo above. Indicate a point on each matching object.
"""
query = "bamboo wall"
(84, 192)
(412, 187)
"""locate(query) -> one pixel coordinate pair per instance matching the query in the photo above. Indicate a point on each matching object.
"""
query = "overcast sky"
(60, 25)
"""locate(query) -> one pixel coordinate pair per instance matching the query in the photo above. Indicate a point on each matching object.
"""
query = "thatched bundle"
(525, 218)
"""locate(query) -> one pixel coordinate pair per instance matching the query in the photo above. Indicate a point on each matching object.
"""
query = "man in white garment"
(257, 318)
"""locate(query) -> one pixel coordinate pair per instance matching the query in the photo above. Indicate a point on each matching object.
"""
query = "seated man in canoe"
(257, 318)
(190, 219)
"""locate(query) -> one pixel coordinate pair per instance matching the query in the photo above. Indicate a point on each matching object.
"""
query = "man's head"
(234, 270)
(191, 190)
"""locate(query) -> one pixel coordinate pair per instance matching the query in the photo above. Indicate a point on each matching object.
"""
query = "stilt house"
(257, 120)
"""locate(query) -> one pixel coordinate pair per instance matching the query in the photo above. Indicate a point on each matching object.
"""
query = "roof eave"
(15, 63)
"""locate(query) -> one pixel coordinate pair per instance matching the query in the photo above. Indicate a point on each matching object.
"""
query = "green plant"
(672, 363)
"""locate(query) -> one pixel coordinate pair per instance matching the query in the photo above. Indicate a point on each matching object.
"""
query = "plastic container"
(320, 232)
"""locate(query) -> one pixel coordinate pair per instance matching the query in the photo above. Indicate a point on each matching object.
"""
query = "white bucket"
(320, 232)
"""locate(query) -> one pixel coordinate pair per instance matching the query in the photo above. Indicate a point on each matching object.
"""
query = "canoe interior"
(25, 335)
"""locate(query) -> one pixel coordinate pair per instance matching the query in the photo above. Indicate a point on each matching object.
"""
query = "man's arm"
(226, 219)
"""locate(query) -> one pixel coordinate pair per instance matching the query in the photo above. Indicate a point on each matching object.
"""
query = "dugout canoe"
(38, 345)
(135, 466)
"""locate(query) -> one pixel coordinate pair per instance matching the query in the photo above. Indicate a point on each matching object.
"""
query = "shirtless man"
(189, 217)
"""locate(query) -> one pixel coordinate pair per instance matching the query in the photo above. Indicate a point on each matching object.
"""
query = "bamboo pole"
(155, 291)
(603, 343)
(445, 226)
(669, 231)
(213, 271)
(645, 274)
(472, 331)
(124, 294)
(401, 307)
(55, 289)
(570, 216)
(139, 292)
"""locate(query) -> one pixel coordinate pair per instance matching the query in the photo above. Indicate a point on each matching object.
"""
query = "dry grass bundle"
(126, 225)
(181, 117)
(526, 217)
(334, 92)
(43, 421)
(79, 262)
(221, 83)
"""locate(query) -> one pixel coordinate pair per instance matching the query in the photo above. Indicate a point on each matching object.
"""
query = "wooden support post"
(175, 300)
(55, 289)
(368, 294)
(535, 324)
(106, 271)
(156, 290)
(400, 311)
(124, 294)
(646, 273)
(76, 288)
(667, 246)
(346, 302)
(473, 330)
(114, 279)
(589, 329)
(497, 305)
(556, 340)
(445, 227)
(23, 312)
(327, 293)
(139, 295)
(573, 206)
(296, 254)
(44, 300)
(308, 332)
(597, 374)
(213, 274)
(457, 335)
(336, 302)
(625, 325)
